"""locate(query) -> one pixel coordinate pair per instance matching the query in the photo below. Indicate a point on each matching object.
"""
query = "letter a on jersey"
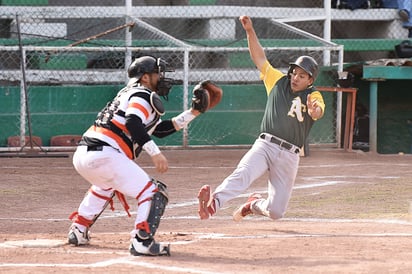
(296, 109)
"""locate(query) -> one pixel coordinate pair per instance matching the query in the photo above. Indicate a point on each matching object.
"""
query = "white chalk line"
(127, 259)
(132, 260)
(117, 213)
(254, 218)
(266, 236)
(192, 202)
(226, 167)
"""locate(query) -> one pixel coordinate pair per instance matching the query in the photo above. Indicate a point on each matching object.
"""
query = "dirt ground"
(349, 213)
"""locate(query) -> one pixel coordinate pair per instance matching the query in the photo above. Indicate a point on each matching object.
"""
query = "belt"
(280, 142)
(95, 148)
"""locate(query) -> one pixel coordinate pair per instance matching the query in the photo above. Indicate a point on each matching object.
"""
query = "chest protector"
(113, 115)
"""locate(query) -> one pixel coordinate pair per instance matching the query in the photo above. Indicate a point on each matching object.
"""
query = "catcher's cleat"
(148, 247)
(76, 237)
(207, 206)
(245, 209)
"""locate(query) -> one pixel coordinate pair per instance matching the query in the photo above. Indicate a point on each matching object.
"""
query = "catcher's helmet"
(146, 64)
(150, 64)
(306, 63)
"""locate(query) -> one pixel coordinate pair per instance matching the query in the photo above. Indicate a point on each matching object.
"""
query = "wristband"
(184, 118)
(151, 148)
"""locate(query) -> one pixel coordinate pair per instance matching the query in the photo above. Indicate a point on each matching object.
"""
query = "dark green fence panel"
(70, 110)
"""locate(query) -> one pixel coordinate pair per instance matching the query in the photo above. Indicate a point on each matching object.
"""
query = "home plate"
(34, 243)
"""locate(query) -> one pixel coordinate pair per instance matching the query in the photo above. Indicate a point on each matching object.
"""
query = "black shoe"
(76, 237)
(148, 247)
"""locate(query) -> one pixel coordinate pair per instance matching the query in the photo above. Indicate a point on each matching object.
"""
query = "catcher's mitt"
(206, 95)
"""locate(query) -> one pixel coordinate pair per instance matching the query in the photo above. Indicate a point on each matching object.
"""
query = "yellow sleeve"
(270, 76)
(317, 96)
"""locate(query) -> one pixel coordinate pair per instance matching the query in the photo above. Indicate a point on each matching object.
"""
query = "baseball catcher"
(122, 129)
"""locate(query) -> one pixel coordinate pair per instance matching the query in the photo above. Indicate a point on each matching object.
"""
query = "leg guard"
(143, 243)
(157, 207)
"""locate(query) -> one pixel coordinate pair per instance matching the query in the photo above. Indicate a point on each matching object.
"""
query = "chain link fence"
(62, 61)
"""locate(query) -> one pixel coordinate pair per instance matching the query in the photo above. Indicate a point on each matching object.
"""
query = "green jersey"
(286, 113)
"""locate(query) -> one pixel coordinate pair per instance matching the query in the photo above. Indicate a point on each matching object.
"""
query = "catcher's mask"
(150, 64)
(306, 63)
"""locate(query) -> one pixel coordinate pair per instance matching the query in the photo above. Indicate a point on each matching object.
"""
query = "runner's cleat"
(207, 207)
(245, 209)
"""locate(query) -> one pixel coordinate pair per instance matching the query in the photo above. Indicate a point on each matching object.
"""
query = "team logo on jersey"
(297, 109)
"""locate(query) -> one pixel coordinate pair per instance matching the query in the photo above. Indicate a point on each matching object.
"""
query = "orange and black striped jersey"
(110, 125)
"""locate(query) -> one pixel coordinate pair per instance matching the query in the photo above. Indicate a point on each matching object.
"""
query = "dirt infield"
(349, 213)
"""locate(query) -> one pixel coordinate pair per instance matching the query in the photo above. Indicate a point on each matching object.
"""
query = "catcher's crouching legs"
(143, 242)
(79, 232)
(95, 199)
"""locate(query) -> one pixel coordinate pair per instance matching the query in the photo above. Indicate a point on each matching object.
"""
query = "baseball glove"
(206, 95)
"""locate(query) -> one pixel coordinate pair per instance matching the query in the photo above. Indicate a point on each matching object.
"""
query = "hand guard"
(206, 95)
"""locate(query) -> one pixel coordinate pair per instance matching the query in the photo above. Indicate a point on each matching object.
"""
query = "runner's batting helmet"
(306, 63)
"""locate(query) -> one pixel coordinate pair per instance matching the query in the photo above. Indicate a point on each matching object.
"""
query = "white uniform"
(110, 166)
